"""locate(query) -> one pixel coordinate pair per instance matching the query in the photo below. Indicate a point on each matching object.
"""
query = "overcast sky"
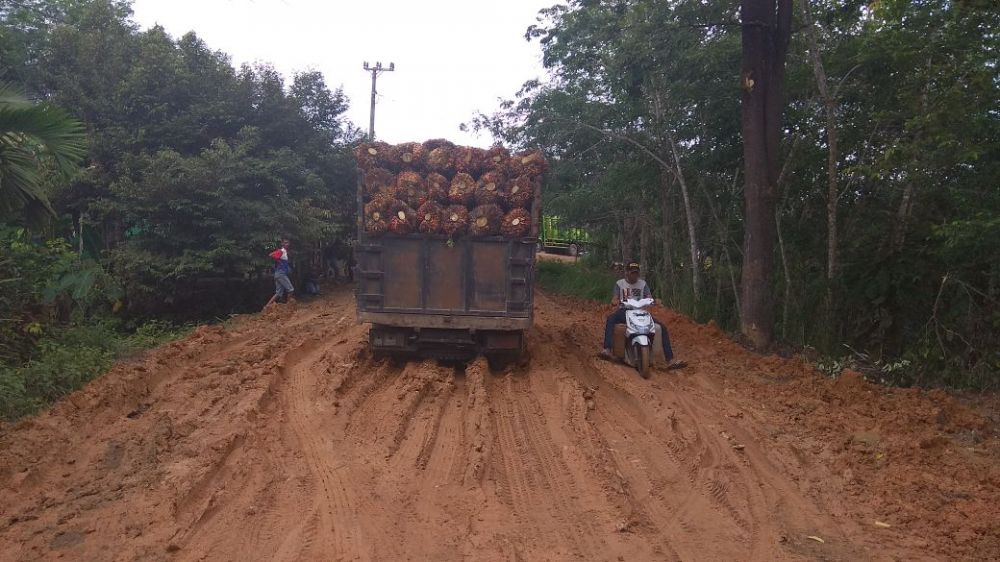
(453, 57)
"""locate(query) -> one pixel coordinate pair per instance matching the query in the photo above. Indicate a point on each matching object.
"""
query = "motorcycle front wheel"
(642, 358)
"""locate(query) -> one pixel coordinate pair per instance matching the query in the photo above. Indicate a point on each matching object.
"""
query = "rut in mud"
(280, 438)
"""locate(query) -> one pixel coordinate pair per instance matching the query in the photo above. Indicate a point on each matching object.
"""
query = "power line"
(375, 69)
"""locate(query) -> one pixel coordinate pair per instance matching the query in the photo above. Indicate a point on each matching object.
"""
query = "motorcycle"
(640, 331)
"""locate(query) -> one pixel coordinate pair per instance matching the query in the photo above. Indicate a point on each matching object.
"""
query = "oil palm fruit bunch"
(437, 187)
(516, 223)
(455, 220)
(429, 217)
(379, 180)
(440, 156)
(403, 219)
(520, 192)
(430, 145)
(378, 212)
(376, 225)
(410, 188)
(530, 163)
(468, 159)
(485, 220)
(409, 155)
(489, 188)
(497, 158)
(462, 189)
(372, 154)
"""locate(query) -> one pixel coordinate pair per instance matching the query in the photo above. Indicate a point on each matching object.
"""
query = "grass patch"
(70, 358)
(575, 279)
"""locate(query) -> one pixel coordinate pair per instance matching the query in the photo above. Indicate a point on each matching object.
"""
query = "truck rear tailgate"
(481, 283)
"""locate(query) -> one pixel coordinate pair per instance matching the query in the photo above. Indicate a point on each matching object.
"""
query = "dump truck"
(556, 238)
(446, 297)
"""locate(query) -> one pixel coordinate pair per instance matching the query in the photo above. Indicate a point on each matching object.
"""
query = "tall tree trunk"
(643, 240)
(788, 277)
(620, 222)
(906, 204)
(902, 217)
(691, 223)
(830, 109)
(678, 172)
(766, 32)
(787, 300)
(668, 259)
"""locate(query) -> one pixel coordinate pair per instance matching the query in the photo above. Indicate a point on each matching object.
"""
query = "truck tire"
(642, 361)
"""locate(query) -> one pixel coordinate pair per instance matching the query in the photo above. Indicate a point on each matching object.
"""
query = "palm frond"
(33, 138)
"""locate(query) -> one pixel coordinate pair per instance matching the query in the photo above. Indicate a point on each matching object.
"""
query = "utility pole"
(376, 69)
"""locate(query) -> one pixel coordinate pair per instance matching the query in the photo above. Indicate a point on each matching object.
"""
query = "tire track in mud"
(644, 509)
(742, 485)
(685, 510)
(333, 512)
(532, 475)
(258, 502)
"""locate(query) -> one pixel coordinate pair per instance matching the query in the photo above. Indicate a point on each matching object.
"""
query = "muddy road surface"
(277, 437)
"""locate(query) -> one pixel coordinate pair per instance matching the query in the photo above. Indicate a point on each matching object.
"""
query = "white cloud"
(453, 57)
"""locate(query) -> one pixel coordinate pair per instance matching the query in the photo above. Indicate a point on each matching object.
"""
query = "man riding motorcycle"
(633, 287)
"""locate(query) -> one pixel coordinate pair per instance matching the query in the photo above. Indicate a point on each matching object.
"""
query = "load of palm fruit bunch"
(377, 213)
(409, 155)
(516, 223)
(438, 188)
(489, 188)
(520, 192)
(429, 216)
(403, 219)
(485, 220)
(379, 181)
(372, 154)
(497, 158)
(462, 190)
(410, 188)
(455, 220)
(440, 156)
(468, 159)
(528, 163)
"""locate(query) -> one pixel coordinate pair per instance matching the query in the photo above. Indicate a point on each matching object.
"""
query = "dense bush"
(578, 280)
(68, 357)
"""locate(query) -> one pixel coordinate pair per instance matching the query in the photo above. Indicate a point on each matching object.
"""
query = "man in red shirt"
(282, 284)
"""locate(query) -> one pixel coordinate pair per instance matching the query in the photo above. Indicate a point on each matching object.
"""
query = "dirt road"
(278, 438)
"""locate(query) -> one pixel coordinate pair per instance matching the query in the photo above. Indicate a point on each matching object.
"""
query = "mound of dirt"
(277, 437)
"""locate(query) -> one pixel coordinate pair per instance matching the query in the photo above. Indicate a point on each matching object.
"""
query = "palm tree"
(36, 140)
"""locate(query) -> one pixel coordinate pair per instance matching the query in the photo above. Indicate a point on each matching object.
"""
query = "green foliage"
(195, 169)
(70, 358)
(575, 279)
(36, 141)
(916, 85)
(44, 285)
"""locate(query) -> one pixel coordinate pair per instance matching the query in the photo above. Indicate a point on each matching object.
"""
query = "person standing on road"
(633, 287)
(282, 284)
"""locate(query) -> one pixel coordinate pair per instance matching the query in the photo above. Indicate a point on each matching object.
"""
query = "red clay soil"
(280, 438)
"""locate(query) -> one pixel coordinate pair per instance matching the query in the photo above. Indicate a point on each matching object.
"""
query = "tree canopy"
(642, 117)
(195, 168)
